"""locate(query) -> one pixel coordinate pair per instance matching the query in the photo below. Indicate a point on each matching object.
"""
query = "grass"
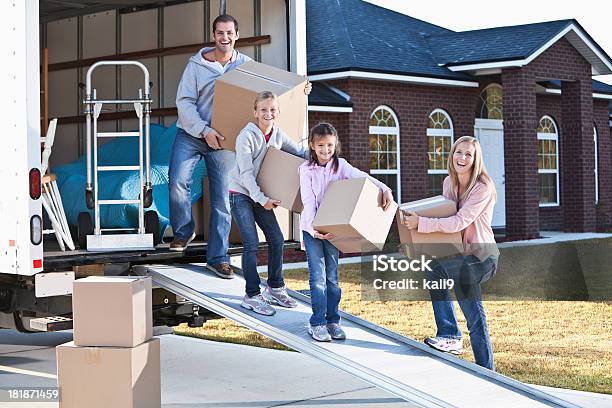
(566, 344)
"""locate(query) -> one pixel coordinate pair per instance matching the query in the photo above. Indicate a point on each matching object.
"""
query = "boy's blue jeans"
(324, 290)
(468, 272)
(246, 213)
(186, 153)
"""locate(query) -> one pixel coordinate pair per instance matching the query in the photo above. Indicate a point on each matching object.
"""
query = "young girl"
(469, 185)
(324, 167)
(250, 205)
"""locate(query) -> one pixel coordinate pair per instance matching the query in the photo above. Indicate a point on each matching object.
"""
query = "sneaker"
(279, 296)
(445, 344)
(222, 270)
(336, 331)
(258, 304)
(179, 245)
(319, 333)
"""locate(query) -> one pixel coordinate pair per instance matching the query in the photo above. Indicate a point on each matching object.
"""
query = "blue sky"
(594, 16)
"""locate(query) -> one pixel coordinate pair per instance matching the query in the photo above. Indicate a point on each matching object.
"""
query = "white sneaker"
(319, 333)
(278, 296)
(258, 304)
(445, 344)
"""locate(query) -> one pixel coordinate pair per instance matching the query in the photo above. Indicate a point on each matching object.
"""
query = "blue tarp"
(72, 177)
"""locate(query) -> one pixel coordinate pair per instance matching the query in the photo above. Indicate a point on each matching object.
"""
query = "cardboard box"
(112, 311)
(235, 93)
(201, 217)
(351, 210)
(279, 179)
(434, 244)
(102, 377)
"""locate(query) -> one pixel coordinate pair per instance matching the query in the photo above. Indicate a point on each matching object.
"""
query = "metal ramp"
(398, 364)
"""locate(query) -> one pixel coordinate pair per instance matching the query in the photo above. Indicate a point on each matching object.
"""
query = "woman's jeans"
(468, 272)
(186, 153)
(246, 213)
(324, 290)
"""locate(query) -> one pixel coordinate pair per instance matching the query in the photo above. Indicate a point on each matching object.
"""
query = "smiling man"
(195, 138)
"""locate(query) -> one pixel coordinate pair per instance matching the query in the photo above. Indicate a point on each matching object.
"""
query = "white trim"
(321, 108)
(437, 171)
(602, 96)
(340, 92)
(555, 137)
(392, 77)
(488, 65)
(440, 132)
(538, 52)
(376, 130)
(383, 130)
(481, 123)
(595, 95)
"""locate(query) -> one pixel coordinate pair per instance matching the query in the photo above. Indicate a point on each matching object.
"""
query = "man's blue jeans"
(468, 272)
(246, 213)
(325, 292)
(186, 153)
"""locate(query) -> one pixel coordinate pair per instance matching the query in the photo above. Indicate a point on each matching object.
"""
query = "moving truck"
(50, 45)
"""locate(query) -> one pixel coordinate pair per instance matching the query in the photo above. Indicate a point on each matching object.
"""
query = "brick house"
(400, 90)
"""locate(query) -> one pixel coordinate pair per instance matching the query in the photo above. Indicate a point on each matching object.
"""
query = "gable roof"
(352, 35)
(493, 44)
(355, 37)
(514, 46)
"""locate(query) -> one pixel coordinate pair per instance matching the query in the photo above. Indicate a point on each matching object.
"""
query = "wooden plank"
(158, 52)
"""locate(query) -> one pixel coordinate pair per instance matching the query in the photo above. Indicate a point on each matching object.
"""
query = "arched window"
(439, 141)
(490, 105)
(384, 148)
(548, 162)
(596, 165)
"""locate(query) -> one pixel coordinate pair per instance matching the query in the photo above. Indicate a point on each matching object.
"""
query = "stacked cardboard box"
(351, 210)
(235, 93)
(113, 360)
(434, 244)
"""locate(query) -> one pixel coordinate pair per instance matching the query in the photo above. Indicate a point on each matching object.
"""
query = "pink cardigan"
(314, 180)
(473, 220)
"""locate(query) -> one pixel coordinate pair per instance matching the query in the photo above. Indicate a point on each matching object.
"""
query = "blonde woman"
(469, 185)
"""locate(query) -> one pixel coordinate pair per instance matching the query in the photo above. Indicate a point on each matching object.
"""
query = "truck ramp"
(395, 363)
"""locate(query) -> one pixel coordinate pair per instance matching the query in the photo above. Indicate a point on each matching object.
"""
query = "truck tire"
(84, 228)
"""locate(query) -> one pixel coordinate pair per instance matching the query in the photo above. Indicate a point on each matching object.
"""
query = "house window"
(439, 142)
(384, 148)
(548, 162)
(490, 105)
(596, 166)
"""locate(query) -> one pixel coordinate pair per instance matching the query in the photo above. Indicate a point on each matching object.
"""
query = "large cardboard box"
(235, 93)
(434, 244)
(201, 217)
(278, 178)
(112, 311)
(351, 210)
(102, 377)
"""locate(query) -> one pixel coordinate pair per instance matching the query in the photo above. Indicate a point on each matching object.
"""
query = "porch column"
(521, 153)
(577, 156)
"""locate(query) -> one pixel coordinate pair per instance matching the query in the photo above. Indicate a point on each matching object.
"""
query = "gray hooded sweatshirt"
(251, 148)
(194, 96)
